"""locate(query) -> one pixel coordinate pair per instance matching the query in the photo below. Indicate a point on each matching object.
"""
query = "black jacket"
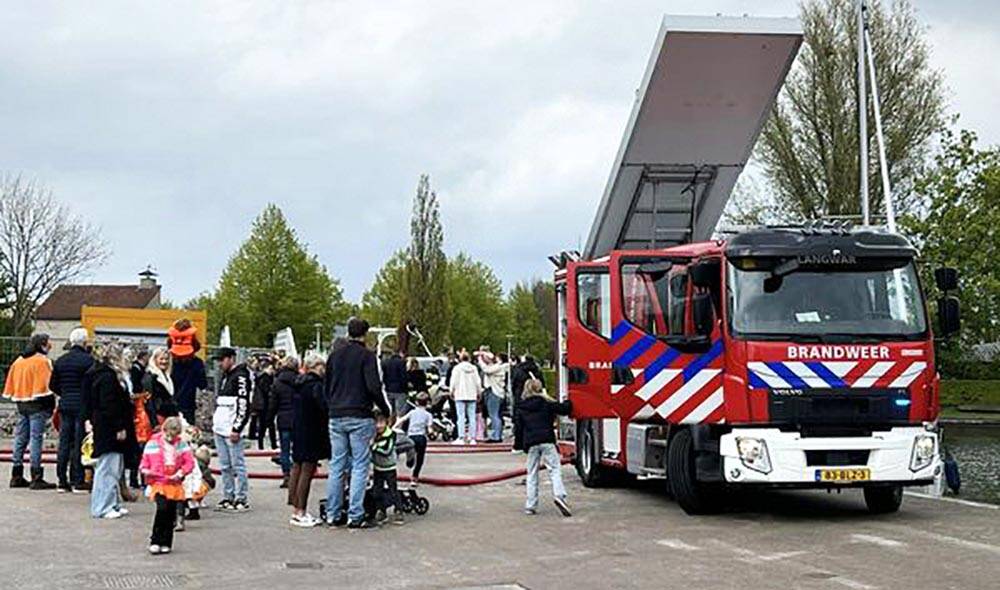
(417, 380)
(283, 399)
(238, 383)
(261, 401)
(353, 387)
(136, 373)
(521, 374)
(188, 376)
(394, 374)
(310, 431)
(160, 403)
(536, 416)
(67, 381)
(109, 409)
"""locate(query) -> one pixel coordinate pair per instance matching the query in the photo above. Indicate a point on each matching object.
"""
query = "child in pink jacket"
(166, 460)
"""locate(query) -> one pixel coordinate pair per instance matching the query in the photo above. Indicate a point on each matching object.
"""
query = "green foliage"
(532, 312)
(956, 392)
(425, 295)
(381, 304)
(959, 226)
(809, 146)
(478, 311)
(273, 282)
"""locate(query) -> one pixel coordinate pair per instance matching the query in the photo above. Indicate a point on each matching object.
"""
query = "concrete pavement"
(478, 537)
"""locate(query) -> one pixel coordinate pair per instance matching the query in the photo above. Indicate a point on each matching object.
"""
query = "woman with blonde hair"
(108, 409)
(166, 461)
(537, 413)
(159, 387)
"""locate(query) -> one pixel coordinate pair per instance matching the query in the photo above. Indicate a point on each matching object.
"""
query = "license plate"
(843, 475)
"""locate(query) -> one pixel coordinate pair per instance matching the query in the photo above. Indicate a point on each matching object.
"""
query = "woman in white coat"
(466, 388)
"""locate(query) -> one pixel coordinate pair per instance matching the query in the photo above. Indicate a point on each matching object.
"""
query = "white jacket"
(495, 376)
(465, 383)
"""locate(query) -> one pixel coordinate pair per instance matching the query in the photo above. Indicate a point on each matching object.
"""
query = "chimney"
(147, 279)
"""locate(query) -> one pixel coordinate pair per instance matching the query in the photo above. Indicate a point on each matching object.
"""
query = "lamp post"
(319, 328)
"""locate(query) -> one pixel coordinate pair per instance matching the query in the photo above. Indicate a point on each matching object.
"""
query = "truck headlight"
(924, 450)
(753, 454)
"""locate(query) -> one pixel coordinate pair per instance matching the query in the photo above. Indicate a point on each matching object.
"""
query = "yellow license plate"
(843, 475)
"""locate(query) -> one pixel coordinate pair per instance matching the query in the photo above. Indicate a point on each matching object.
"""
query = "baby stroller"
(409, 500)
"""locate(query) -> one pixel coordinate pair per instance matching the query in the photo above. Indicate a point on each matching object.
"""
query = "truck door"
(588, 352)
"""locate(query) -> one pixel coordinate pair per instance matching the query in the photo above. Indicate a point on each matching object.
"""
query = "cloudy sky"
(172, 124)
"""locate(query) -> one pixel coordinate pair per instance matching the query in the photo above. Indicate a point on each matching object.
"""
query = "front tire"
(883, 499)
(692, 496)
(588, 457)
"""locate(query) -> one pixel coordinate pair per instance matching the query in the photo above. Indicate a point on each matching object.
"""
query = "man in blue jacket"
(67, 382)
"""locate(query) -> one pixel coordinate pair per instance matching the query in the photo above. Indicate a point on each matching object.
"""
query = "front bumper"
(889, 455)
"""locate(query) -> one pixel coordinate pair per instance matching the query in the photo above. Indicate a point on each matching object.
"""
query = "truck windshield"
(825, 303)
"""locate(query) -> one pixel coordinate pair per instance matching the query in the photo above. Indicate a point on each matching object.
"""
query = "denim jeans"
(496, 420)
(547, 453)
(350, 440)
(104, 496)
(285, 438)
(233, 466)
(70, 438)
(31, 426)
(466, 418)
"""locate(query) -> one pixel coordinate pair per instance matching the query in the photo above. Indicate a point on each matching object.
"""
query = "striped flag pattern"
(681, 388)
(834, 374)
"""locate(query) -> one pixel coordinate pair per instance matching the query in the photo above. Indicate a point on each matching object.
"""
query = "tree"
(42, 245)
(958, 226)
(272, 282)
(527, 325)
(809, 146)
(381, 303)
(478, 311)
(425, 297)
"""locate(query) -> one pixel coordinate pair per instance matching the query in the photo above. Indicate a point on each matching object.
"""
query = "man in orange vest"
(28, 386)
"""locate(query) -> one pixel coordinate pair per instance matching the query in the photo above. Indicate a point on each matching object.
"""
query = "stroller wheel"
(422, 506)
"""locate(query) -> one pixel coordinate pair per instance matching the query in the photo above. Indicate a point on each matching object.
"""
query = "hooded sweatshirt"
(465, 383)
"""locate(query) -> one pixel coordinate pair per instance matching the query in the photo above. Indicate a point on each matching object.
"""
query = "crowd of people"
(131, 412)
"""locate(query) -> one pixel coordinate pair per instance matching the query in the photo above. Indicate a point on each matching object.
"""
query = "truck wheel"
(692, 496)
(883, 499)
(588, 457)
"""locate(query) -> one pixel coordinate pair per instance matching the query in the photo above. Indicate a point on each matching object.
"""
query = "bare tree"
(42, 245)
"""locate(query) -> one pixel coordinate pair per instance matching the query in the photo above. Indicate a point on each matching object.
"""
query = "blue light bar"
(902, 402)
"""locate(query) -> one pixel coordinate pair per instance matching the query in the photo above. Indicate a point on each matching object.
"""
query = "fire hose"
(6, 455)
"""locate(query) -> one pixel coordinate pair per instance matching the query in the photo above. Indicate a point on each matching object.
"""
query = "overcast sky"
(172, 124)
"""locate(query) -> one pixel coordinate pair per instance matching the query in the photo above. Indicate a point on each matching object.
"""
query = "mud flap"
(707, 462)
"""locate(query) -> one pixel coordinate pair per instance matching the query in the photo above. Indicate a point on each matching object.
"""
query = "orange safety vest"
(28, 378)
(182, 341)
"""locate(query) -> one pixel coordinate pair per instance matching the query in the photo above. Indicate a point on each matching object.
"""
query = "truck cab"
(780, 357)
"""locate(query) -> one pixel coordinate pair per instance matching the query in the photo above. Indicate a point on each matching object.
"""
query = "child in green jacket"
(384, 485)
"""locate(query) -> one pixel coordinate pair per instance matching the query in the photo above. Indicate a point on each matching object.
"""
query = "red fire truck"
(773, 357)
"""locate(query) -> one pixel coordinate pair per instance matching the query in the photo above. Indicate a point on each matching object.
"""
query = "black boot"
(284, 483)
(37, 481)
(17, 477)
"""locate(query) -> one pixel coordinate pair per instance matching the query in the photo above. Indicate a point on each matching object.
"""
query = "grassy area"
(961, 392)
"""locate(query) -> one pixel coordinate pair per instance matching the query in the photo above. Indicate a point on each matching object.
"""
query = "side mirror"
(702, 314)
(946, 279)
(949, 320)
(705, 274)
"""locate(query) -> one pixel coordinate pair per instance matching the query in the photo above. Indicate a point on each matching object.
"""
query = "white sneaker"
(112, 514)
(154, 549)
(305, 521)
(164, 550)
(457, 442)
(472, 442)
(123, 511)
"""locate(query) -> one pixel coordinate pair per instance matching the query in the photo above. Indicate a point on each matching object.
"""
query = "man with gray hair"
(67, 383)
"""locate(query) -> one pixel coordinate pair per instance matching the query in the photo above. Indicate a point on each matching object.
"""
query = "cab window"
(655, 296)
(594, 301)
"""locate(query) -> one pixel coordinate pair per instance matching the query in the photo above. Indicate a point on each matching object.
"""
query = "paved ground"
(478, 537)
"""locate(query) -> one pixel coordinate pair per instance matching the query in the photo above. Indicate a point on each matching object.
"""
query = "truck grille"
(836, 458)
(831, 407)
